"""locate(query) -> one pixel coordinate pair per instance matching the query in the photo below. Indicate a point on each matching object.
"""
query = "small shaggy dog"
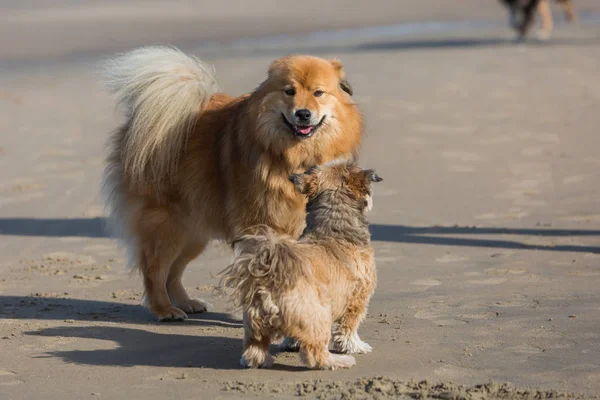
(522, 15)
(302, 289)
(192, 164)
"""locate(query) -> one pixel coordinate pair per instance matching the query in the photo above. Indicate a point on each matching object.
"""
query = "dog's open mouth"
(302, 131)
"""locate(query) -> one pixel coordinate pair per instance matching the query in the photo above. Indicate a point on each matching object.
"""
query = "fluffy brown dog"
(301, 289)
(192, 164)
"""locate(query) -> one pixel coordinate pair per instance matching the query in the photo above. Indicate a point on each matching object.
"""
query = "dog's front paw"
(194, 306)
(255, 358)
(169, 314)
(351, 345)
(336, 361)
(289, 345)
(360, 347)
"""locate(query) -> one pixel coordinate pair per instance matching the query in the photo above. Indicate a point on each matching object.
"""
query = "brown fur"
(174, 185)
(301, 289)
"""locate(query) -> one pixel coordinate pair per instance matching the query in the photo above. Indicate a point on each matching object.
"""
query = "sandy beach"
(486, 228)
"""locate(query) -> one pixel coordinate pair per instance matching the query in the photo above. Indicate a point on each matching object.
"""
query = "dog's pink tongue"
(305, 130)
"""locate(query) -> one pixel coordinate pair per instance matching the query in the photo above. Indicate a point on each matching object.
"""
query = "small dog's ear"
(372, 176)
(296, 179)
(311, 170)
(299, 181)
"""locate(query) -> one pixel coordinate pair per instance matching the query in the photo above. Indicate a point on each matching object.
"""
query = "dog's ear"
(346, 87)
(337, 65)
(300, 182)
(344, 84)
(311, 170)
(371, 175)
(278, 67)
(305, 183)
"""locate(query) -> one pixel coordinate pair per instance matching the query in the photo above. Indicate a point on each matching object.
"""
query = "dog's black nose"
(303, 115)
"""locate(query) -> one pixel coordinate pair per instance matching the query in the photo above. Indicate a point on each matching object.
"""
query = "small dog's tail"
(163, 91)
(265, 265)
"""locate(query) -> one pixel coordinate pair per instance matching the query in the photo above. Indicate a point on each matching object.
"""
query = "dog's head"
(308, 100)
(345, 182)
(306, 92)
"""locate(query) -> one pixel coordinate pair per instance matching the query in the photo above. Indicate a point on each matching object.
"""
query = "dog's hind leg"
(256, 342)
(345, 332)
(161, 241)
(177, 292)
(314, 345)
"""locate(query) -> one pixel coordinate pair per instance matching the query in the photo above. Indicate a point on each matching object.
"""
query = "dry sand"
(486, 227)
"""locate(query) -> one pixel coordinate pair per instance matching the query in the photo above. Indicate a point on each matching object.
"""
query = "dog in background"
(192, 164)
(522, 15)
(302, 289)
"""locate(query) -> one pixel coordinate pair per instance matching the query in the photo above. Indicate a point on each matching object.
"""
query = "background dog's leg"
(160, 244)
(528, 17)
(568, 10)
(256, 343)
(547, 22)
(345, 332)
(177, 292)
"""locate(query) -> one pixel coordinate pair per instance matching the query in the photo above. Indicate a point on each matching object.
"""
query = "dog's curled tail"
(264, 266)
(163, 91)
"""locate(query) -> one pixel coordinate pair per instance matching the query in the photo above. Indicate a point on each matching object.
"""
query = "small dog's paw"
(337, 361)
(351, 345)
(256, 359)
(194, 306)
(169, 314)
(289, 345)
(361, 348)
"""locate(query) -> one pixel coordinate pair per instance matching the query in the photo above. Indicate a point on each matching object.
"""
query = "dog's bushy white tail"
(163, 91)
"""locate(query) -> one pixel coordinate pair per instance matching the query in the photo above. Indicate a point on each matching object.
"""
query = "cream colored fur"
(163, 91)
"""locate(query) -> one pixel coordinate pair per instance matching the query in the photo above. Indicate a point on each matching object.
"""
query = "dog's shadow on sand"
(62, 308)
(153, 344)
(139, 347)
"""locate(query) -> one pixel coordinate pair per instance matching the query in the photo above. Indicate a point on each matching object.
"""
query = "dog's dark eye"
(290, 91)
(318, 93)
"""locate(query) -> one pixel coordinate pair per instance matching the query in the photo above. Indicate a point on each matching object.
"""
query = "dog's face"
(307, 100)
(305, 92)
(345, 181)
